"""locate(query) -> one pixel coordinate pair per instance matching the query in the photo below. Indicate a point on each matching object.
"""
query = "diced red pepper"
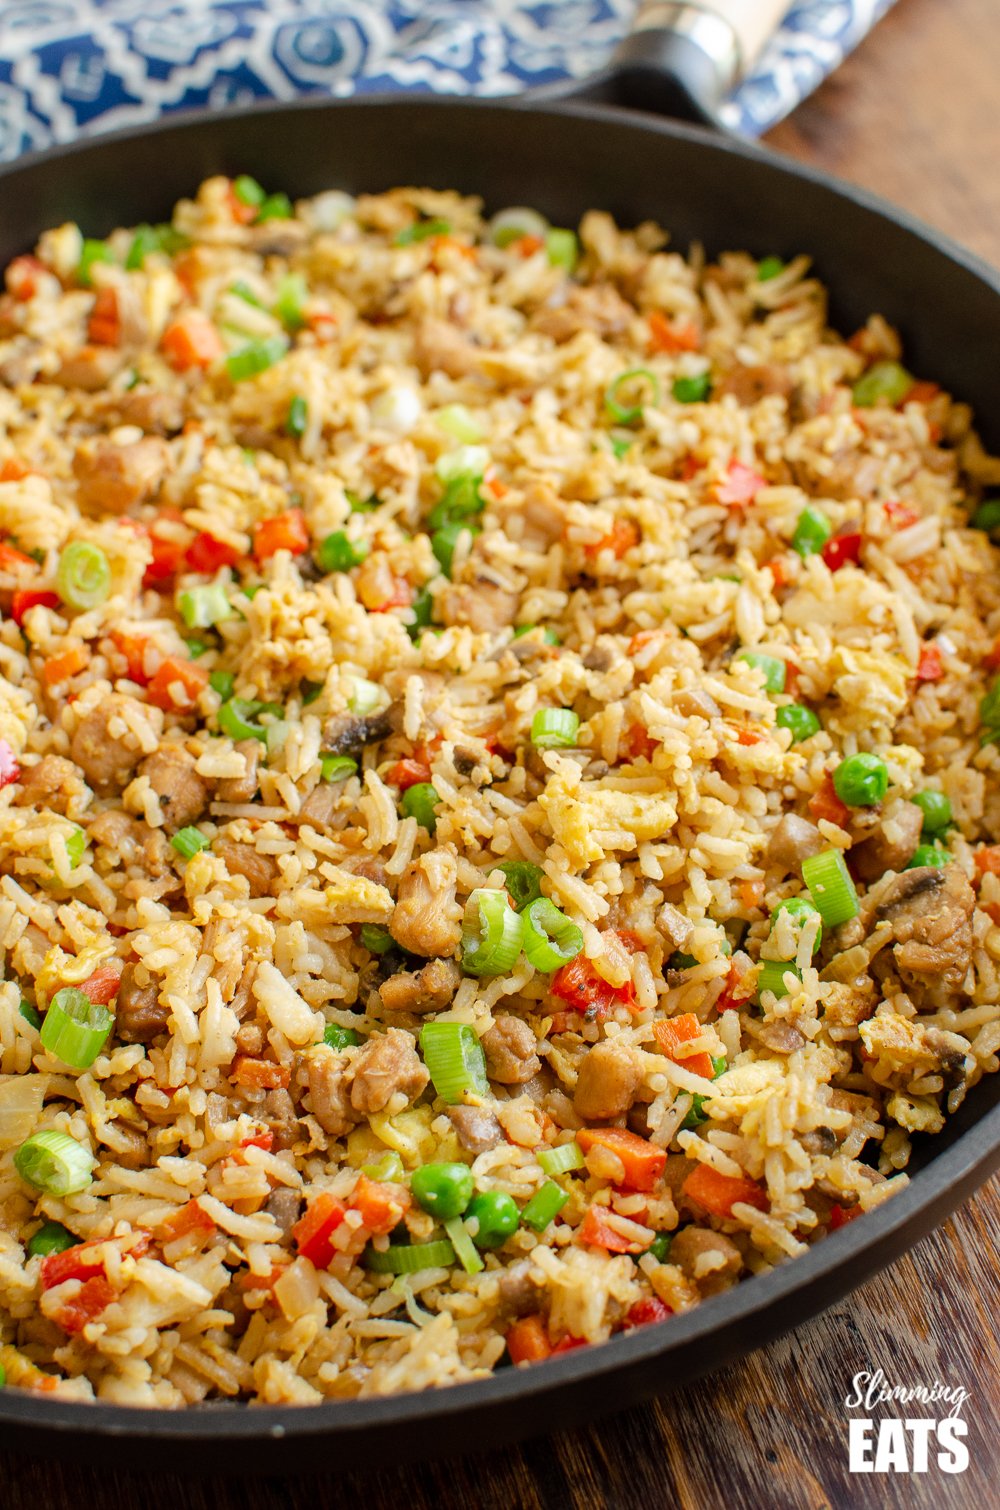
(622, 536)
(102, 986)
(840, 549)
(900, 515)
(401, 596)
(31, 597)
(987, 860)
(841, 1215)
(191, 1220)
(406, 773)
(735, 994)
(173, 673)
(380, 1205)
(646, 1311)
(639, 743)
(665, 335)
(104, 327)
(12, 559)
(283, 532)
(10, 771)
(579, 984)
(79, 1310)
(929, 666)
(312, 1232)
(206, 554)
(168, 551)
(719, 1193)
(643, 1162)
(740, 485)
(824, 803)
(778, 567)
(262, 1140)
(569, 1344)
(690, 467)
(79, 1262)
(597, 1232)
(528, 1340)
(675, 1031)
(133, 648)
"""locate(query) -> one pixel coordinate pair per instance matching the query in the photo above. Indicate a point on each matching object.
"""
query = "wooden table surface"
(912, 115)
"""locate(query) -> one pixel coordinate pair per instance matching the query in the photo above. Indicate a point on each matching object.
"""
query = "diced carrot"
(691, 467)
(261, 1281)
(841, 549)
(102, 986)
(664, 335)
(13, 560)
(133, 648)
(646, 1311)
(259, 1074)
(719, 1193)
(21, 277)
(740, 485)
(644, 1163)
(104, 327)
(14, 470)
(322, 323)
(168, 549)
(206, 554)
(639, 743)
(751, 893)
(735, 994)
(900, 515)
(59, 668)
(745, 736)
(381, 1206)
(401, 596)
(79, 1262)
(622, 536)
(282, 532)
(987, 860)
(190, 1220)
(184, 678)
(569, 1344)
(675, 1031)
(312, 1231)
(778, 567)
(191, 340)
(406, 773)
(642, 639)
(579, 984)
(77, 1311)
(825, 804)
(263, 1140)
(528, 1340)
(597, 1232)
(243, 214)
(841, 1215)
(922, 393)
(495, 487)
(527, 246)
(929, 666)
(31, 597)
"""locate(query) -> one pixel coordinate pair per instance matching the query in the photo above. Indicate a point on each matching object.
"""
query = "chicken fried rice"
(497, 738)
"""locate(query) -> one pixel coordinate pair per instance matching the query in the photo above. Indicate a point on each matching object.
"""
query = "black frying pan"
(730, 196)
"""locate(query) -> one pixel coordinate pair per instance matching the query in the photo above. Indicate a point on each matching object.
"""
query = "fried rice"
(370, 572)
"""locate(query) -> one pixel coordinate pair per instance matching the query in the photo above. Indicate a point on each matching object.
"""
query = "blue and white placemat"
(69, 67)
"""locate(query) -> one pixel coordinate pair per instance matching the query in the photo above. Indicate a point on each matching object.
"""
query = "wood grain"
(912, 115)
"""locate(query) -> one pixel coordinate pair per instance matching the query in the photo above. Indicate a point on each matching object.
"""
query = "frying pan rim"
(965, 1164)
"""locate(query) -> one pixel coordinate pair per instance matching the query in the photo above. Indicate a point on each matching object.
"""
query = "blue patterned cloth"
(69, 67)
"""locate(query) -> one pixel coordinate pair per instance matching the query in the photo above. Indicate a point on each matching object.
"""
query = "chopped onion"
(397, 409)
(517, 221)
(329, 211)
(464, 461)
(21, 1100)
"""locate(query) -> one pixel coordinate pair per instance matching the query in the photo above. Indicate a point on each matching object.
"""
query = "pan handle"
(698, 49)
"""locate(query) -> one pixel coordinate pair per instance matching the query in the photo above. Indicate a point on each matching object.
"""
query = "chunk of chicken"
(509, 1047)
(282, 1118)
(609, 1081)
(182, 792)
(116, 830)
(749, 385)
(259, 871)
(597, 307)
(112, 478)
(675, 928)
(484, 605)
(242, 788)
(792, 841)
(140, 1016)
(107, 760)
(91, 368)
(710, 1259)
(440, 347)
(892, 844)
(154, 411)
(478, 1130)
(53, 783)
(330, 1091)
(517, 1292)
(320, 806)
(388, 1064)
(427, 920)
(426, 990)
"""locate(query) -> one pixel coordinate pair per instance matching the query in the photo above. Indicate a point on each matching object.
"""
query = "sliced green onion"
(365, 696)
(987, 516)
(620, 446)
(337, 767)
(693, 390)
(660, 1246)
(419, 801)
(801, 722)
(243, 291)
(336, 1037)
(444, 541)
(51, 1237)
(561, 1160)
(812, 532)
(408, 1258)
(359, 505)
(522, 881)
(801, 910)
(376, 939)
(549, 636)
(457, 421)
(491, 933)
(83, 576)
(772, 976)
(423, 614)
(222, 682)
(928, 854)
(455, 1060)
(297, 417)
(145, 241)
(275, 736)
(861, 780)
(337, 553)
(54, 1162)
(75, 1028)
(236, 719)
(189, 842)
(255, 357)
(544, 1205)
(201, 607)
(93, 251)
(195, 647)
(551, 939)
(554, 729)
(831, 887)
(275, 207)
(465, 1248)
(290, 299)
(624, 413)
(510, 225)
(76, 844)
(885, 380)
(421, 230)
(248, 190)
(310, 691)
(562, 248)
(936, 810)
(768, 268)
(388, 1168)
(31, 1015)
(696, 1115)
(773, 668)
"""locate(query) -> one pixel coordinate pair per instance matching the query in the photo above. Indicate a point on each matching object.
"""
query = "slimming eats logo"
(912, 1442)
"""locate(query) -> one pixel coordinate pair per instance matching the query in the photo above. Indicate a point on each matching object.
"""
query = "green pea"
(861, 780)
(51, 1237)
(444, 1190)
(801, 722)
(928, 854)
(936, 810)
(660, 1246)
(801, 909)
(497, 1215)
